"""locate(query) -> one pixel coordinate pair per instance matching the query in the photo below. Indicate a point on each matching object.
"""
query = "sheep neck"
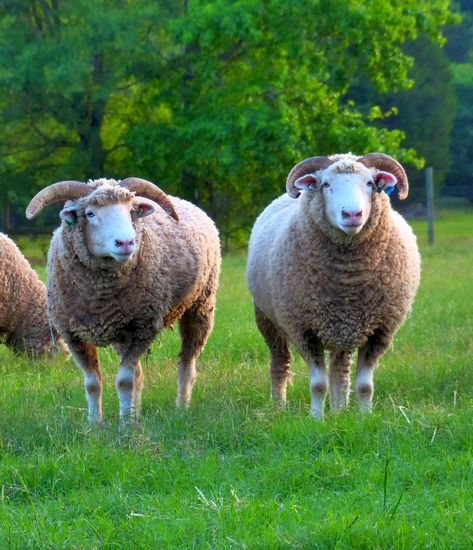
(85, 270)
(349, 255)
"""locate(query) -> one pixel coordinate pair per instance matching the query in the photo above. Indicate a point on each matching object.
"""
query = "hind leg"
(195, 327)
(280, 362)
(339, 379)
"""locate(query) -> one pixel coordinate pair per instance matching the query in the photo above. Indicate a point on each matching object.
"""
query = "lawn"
(232, 471)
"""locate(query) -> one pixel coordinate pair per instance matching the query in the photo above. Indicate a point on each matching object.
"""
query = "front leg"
(134, 407)
(85, 356)
(129, 379)
(311, 349)
(368, 356)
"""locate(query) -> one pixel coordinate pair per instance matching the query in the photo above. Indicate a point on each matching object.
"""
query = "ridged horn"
(388, 164)
(57, 192)
(150, 191)
(306, 166)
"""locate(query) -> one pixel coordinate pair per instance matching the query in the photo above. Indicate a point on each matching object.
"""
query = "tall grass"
(232, 471)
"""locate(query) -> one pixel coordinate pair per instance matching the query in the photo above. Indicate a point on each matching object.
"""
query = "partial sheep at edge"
(24, 324)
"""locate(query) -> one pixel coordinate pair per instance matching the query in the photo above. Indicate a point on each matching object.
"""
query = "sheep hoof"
(129, 424)
(317, 413)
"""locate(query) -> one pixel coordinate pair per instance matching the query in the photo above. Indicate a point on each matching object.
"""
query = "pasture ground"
(233, 472)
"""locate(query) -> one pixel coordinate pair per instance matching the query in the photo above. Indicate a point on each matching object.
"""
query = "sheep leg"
(137, 388)
(129, 379)
(339, 379)
(85, 356)
(280, 362)
(312, 350)
(368, 356)
(195, 327)
(124, 384)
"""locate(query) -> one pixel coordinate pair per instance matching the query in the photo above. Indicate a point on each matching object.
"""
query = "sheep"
(126, 262)
(24, 324)
(336, 269)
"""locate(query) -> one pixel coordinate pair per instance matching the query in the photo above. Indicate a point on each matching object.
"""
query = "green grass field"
(233, 472)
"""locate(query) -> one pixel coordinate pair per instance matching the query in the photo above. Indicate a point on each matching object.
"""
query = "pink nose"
(125, 246)
(352, 215)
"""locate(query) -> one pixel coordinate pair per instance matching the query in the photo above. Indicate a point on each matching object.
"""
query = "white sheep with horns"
(336, 269)
(126, 262)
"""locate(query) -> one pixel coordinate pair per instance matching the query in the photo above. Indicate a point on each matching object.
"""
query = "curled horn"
(387, 163)
(150, 191)
(306, 166)
(57, 192)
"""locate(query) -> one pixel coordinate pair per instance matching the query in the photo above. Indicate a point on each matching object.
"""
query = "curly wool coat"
(24, 324)
(308, 277)
(101, 301)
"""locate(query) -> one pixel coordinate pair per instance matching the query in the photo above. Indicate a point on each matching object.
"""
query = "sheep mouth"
(352, 226)
(122, 256)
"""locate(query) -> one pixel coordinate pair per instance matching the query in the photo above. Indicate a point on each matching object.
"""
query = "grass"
(233, 472)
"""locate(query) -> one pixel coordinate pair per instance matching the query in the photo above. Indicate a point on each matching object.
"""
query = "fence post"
(429, 195)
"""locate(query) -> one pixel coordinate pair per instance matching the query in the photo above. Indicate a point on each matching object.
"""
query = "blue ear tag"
(389, 190)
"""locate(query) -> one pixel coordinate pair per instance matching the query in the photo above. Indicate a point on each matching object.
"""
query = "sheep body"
(320, 288)
(97, 301)
(24, 324)
(94, 302)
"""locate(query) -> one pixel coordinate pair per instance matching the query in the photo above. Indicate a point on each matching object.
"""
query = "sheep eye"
(325, 185)
(369, 184)
(90, 214)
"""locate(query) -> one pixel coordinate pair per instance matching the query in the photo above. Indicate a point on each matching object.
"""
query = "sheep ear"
(307, 182)
(144, 207)
(69, 215)
(385, 181)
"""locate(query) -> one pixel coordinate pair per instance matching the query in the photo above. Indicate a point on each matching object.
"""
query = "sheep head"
(107, 210)
(348, 185)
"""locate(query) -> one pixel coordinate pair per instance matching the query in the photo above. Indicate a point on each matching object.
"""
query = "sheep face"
(109, 228)
(347, 189)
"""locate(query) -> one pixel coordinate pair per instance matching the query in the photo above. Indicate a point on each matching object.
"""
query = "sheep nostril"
(124, 244)
(352, 214)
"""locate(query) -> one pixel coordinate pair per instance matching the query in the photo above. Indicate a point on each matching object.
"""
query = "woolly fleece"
(24, 324)
(100, 301)
(310, 278)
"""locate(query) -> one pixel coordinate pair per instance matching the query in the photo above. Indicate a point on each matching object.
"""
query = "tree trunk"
(91, 134)
(6, 216)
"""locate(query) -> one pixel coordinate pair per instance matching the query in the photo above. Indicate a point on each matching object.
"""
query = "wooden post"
(429, 196)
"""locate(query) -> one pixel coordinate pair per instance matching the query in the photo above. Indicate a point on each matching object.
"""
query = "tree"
(459, 180)
(214, 99)
(426, 112)
(63, 67)
(254, 86)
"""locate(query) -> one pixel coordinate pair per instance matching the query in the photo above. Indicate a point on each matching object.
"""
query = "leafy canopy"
(216, 100)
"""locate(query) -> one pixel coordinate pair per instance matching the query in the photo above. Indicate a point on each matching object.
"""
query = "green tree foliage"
(256, 86)
(426, 111)
(63, 67)
(459, 179)
(216, 100)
